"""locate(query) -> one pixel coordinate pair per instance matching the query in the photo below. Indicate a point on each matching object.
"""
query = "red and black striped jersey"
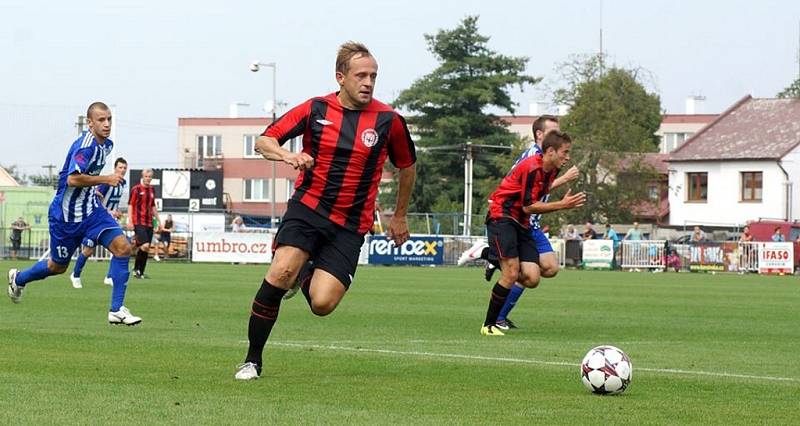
(524, 185)
(141, 204)
(349, 148)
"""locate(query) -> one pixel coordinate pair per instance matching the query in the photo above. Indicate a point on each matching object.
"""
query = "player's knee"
(280, 276)
(322, 308)
(56, 268)
(550, 272)
(529, 281)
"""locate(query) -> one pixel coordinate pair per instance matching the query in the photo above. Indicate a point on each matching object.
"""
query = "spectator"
(16, 235)
(698, 235)
(778, 235)
(571, 233)
(238, 225)
(166, 235)
(674, 261)
(746, 235)
(612, 235)
(634, 234)
(589, 232)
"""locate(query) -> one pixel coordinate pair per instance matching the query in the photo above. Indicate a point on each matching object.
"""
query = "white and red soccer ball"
(606, 370)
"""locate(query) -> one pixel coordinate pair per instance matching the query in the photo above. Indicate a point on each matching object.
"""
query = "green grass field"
(402, 348)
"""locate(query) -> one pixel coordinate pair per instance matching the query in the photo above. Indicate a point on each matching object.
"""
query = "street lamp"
(255, 67)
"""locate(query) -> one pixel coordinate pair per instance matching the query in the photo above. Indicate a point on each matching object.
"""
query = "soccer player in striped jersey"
(548, 262)
(520, 195)
(347, 137)
(75, 213)
(109, 197)
(143, 216)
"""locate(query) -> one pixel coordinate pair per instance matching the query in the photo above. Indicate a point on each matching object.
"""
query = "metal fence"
(643, 255)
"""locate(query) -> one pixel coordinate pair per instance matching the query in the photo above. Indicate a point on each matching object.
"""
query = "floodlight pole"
(255, 67)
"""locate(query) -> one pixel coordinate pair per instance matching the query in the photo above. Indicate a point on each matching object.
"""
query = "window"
(289, 188)
(672, 141)
(697, 183)
(256, 190)
(653, 192)
(250, 146)
(209, 146)
(751, 186)
(296, 144)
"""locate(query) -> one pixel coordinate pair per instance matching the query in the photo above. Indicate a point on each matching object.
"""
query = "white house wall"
(723, 206)
(791, 162)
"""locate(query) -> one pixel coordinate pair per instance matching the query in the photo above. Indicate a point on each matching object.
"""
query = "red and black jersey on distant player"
(141, 204)
(349, 148)
(526, 184)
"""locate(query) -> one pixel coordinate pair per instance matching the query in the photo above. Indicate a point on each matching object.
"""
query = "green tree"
(449, 107)
(793, 91)
(612, 121)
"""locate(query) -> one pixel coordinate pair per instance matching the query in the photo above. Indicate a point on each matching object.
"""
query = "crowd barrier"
(645, 255)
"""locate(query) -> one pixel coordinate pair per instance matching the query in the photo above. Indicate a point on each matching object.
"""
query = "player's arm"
(80, 180)
(571, 174)
(292, 124)
(570, 201)
(398, 226)
(270, 149)
(403, 155)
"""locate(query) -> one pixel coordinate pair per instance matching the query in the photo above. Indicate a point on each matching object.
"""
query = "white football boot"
(14, 292)
(76, 281)
(247, 371)
(123, 316)
(473, 253)
(108, 281)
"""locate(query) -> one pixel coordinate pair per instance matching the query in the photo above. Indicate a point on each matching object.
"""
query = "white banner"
(598, 254)
(775, 258)
(241, 247)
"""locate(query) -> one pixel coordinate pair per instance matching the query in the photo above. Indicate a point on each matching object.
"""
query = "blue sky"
(157, 61)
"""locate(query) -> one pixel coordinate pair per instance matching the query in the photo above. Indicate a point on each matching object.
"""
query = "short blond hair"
(348, 51)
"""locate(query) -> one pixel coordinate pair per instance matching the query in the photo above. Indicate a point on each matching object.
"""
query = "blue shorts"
(542, 243)
(65, 237)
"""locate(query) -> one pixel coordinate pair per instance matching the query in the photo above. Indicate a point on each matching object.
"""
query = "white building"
(743, 166)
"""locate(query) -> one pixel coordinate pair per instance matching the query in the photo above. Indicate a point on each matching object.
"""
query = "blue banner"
(415, 251)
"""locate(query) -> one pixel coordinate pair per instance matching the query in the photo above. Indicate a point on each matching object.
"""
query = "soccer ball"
(606, 370)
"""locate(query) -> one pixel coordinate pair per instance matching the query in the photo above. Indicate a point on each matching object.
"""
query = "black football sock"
(137, 265)
(498, 299)
(263, 315)
(485, 253)
(145, 256)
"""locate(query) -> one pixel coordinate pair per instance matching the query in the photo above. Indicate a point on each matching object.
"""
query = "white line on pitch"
(525, 361)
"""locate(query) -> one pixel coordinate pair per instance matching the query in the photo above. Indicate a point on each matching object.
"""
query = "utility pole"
(50, 168)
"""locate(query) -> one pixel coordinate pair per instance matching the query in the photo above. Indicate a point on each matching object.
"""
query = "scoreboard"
(185, 190)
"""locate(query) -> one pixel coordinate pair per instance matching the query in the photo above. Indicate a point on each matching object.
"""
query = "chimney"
(233, 109)
(537, 108)
(695, 104)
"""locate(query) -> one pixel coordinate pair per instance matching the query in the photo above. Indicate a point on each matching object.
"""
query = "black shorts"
(142, 234)
(331, 247)
(166, 237)
(508, 239)
(16, 244)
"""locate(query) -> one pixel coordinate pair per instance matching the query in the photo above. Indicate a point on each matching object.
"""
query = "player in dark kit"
(521, 194)
(347, 137)
(141, 210)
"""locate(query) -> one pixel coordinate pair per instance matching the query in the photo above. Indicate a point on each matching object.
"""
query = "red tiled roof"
(752, 129)
(688, 118)
(653, 159)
